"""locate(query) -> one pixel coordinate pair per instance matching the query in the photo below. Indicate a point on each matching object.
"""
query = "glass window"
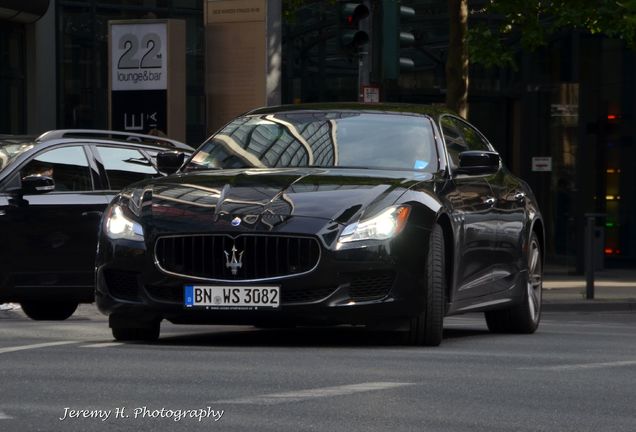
(67, 165)
(459, 137)
(125, 166)
(324, 139)
(473, 138)
(455, 143)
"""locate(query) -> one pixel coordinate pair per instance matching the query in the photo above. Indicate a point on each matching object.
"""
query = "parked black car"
(327, 214)
(53, 190)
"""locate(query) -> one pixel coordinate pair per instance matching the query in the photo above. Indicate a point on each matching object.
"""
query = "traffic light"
(395, 38)
(351, 35)
(612, 125)
(607, 126)
(406, 38)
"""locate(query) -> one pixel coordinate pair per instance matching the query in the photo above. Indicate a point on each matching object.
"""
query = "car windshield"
(12, 148)
(321, 139)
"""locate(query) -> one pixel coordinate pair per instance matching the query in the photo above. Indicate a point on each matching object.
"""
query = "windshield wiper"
(201, 168)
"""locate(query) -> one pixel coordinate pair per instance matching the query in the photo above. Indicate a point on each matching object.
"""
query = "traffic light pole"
(590, 252)
(365, 58)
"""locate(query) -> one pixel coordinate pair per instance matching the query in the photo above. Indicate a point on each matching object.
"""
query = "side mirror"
(37, 184)
(170, 161)
(478, 162)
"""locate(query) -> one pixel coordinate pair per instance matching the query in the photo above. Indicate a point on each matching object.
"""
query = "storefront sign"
(139, 111)
(541, 164)
(139, 57)
(147, 76)
(243, 57)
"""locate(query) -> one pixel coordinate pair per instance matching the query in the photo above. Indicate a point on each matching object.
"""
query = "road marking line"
(34, 346)
(584, 366)
(300, 395)
(3, 416)
(102, 345)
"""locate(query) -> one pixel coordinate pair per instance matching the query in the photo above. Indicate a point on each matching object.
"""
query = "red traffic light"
(354, 12)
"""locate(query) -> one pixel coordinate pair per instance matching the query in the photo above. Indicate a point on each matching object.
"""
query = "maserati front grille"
(245, 257)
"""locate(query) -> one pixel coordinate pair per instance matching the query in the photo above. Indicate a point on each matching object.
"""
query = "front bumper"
(379, 282)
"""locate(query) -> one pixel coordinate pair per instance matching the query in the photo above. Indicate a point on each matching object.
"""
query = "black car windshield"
(321, 139)
(12, 148)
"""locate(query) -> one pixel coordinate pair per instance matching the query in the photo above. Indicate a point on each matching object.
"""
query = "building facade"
(54, 72)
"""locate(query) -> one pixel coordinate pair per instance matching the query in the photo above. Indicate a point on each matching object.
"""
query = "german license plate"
(232, 297)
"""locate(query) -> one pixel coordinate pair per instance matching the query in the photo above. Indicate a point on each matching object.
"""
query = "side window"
(473, 139)
(459, 137)
(67, 165)
(455, 143)
(125, 166)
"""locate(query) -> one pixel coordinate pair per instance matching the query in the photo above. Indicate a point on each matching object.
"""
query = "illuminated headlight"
(118, 226)
(385, 225)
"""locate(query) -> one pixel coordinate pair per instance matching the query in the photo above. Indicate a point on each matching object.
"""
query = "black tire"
(427, 328)
(145, 334)
(48, 311)
(523, 318)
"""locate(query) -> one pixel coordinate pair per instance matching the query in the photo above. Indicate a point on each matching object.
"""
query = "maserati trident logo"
(233, 263)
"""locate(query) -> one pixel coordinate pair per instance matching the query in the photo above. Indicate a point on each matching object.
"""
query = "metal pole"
(589, 253)
(365, 55)
(589, 258)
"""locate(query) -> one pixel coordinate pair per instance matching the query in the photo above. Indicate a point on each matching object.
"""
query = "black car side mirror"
(170, 161)
(37, 184)
(478, 162)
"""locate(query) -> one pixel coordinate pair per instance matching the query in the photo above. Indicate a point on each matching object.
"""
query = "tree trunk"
(457, 59)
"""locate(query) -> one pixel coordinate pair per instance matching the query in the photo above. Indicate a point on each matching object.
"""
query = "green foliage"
(530, 23)
(291, 7)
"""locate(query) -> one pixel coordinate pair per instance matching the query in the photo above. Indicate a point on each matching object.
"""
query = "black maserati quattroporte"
(326, 214)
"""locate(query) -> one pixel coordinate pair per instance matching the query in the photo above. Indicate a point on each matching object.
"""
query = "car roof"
(388, 108)
(113, 137)
(62, 136)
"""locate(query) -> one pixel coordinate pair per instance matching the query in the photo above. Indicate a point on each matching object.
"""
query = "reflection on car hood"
(339, 195)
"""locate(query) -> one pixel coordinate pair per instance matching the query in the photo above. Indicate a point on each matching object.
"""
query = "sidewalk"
(614, 290)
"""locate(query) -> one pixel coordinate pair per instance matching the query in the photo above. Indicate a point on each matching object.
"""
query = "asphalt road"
(578, 373)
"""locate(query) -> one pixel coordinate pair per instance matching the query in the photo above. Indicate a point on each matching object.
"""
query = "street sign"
(540, 164)
(370, 94)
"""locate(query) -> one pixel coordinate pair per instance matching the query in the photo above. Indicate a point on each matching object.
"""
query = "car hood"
(339, 195)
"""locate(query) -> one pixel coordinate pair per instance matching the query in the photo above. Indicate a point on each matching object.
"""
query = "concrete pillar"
(41, 73)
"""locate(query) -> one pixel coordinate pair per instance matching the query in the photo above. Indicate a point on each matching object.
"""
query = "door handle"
(490, 201)
(96, 213)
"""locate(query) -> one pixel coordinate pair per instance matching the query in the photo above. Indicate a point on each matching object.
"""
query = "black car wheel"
(427, 327)
(523, 318)
(147, 334)
(48, 311)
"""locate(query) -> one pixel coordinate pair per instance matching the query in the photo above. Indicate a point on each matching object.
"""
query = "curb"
(589, 306)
